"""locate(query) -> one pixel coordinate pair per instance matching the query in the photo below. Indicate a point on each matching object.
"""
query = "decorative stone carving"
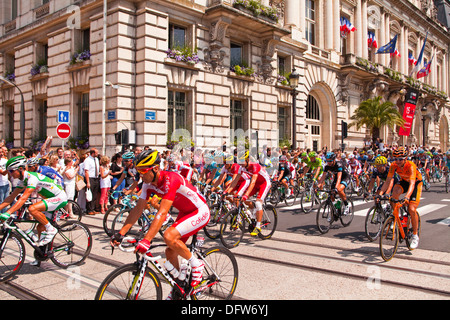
(214, 54)
(344, 85)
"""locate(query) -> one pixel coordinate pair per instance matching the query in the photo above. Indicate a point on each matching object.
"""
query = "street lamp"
(423, 110)
(294, 78)
(22, 111)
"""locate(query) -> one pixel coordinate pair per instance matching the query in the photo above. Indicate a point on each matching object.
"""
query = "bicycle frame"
(396, 214)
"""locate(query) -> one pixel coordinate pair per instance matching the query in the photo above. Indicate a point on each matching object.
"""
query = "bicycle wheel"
(212, 229)
(389, 239)
(71, 245)
(447, 181)
(120, 283)
(269, 222)
(348, 218)
(307, 200)
(109, 216)
(289, 201)
(119, 220)
(324, 217)
(374, 222)
(410, 231)
(220, 275)
(12, 255)
(274, 196)
(76, 209)
(232, 229)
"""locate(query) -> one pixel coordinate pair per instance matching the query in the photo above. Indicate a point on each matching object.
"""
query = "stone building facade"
(54, 50)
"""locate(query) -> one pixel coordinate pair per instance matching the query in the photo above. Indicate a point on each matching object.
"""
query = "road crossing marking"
(445, 222)
(422, 210)
(448, 200)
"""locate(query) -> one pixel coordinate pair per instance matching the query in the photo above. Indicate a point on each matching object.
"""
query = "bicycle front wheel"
(121, 285)
(212, 229)
(389, 239)
(346, 219)
(308, 199)
(220, 275)
(76, 209)
(269, 222)
(12, 256)
(374, 223)
(109, 216)
(71, 245)
(325, 217)
(232, 229)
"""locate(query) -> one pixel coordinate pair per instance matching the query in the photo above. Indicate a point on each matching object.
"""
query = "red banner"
(408, 112)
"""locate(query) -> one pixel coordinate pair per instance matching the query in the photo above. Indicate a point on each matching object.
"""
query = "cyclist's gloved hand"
(116, 239)
(244, 197)
(5, 216)
(143, 246)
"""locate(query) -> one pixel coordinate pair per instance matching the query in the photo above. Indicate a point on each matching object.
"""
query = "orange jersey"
(408, 172)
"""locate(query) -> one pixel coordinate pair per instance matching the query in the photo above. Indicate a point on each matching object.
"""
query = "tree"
(374, 114)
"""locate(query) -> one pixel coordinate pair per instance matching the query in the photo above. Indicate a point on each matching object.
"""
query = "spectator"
(91, 171)
(69, 174)
(105, 183)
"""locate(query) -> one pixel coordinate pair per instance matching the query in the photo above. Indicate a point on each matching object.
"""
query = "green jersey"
(313, 165)
(45, 187)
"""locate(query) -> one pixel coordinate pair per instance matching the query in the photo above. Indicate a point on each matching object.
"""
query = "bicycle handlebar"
(133, 242)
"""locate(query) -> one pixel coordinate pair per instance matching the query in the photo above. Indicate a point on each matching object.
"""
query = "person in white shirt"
(69, 174)
(105, 183)
(4, 181)
(91, 171)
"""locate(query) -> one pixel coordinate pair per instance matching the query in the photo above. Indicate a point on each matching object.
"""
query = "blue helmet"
(330, 156)
(128, 156)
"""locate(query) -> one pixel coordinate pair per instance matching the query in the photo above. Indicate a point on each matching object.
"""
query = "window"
(41, 119)
(176, 112)
(86, 39)
(312, 109)
(83, 115)
(310, 23)
(236, 115)
(282, 66)
(236, 54)
(14, 9)
(283, 123)
(8, 124)
(177, 36)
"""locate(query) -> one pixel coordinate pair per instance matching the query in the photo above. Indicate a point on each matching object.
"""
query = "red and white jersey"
(235, 170)
(355, 166)
(256, 168)
(172, 186)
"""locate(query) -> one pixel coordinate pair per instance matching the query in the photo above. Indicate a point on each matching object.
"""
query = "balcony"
(42, 10)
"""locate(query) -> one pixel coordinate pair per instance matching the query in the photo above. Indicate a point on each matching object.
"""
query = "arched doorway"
(313, 124)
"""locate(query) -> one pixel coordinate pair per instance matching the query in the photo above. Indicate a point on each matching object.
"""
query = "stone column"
(336, 25)
(329, 23)
(293, 15)
(358, 25)
(365, 49)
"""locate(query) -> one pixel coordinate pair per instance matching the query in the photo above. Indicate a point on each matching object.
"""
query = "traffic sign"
(63, 116)
(63, 130)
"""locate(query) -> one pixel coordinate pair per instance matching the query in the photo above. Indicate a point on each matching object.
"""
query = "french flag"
(346, 26)
(396, 53)
(425, 70)
(411, 59)
(372, 40)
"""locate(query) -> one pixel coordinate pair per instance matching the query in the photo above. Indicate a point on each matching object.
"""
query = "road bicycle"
(233, 224)
(138, 281)
(435, 173)
(70, 246)
(218, 211)
(125, 202)
(331, 210)
(396, 228)
(447, 181)
(376, 216)
(311, 196)
(426, 184)
(278, 194)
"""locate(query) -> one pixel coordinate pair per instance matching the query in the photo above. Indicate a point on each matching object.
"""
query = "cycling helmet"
(304, 155)
(400, 152)
(351, 156)
(170, 158)
(128, 156)
(283, 158)
(229, 158)
(312, 154)
(147, 158)
(16, 163)
(370, 152)
(380, 161)
(244, 155)
(330, 156)
(33, 161)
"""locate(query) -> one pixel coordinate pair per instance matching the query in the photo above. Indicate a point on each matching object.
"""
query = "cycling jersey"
(193, 211)
(355, 166)
(313, 165)
(339, 166)
(51, 173)
(53, 193)
(262, 185)
(283, 166)
(408, 172)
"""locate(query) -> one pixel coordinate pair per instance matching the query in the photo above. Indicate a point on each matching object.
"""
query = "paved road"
(296, 264)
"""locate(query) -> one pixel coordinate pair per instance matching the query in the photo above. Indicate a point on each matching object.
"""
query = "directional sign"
(150, 115)
(63, 131)
(63, 116)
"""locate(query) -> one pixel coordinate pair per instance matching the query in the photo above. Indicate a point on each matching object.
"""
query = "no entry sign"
(63, 130)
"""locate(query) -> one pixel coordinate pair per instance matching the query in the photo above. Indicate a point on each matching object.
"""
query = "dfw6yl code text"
(260, 310)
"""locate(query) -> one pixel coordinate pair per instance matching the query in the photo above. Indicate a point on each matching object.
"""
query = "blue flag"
(390, 47)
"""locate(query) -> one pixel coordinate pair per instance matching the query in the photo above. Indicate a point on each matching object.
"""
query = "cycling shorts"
(262, 189)
(242, 187)
(188, 224)
(54, 203)
(417, 192)
(345, 181)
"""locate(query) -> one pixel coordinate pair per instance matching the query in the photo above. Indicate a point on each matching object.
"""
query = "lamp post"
(22, 111)
(423, 110)
(293, 81)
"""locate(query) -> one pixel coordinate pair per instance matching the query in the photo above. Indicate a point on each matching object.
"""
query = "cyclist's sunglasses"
(399, 159)
(144, 171)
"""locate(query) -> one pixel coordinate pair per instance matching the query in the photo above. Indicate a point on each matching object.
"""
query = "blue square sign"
(150, 115)
(63, 116)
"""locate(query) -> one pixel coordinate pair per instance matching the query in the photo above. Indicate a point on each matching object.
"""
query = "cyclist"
(284, 175)
(53, 194)
(410, 183)
(355, 169)
(341, 178)
(259, 183)
(127, 159)
(34, 165)
(379, 175)
(175, 191)
(314, 164)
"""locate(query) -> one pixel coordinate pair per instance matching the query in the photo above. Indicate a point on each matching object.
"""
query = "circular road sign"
(63, 130)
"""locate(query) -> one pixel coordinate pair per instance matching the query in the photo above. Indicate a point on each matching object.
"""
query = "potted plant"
(184, 54)
(39, 68)
(80, 56)
(10, 76)
(243, 70)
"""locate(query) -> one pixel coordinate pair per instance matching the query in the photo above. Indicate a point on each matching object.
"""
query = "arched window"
(312, 109)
